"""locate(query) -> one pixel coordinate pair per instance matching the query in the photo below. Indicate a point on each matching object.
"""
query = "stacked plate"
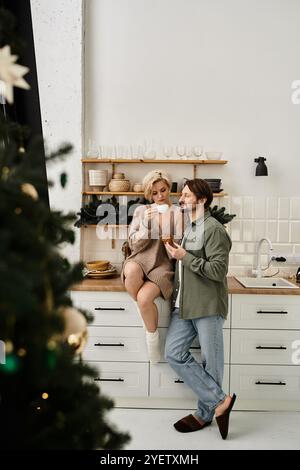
(215, 184)
(99, 269)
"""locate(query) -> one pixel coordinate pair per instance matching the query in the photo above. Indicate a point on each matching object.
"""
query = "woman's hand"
(149, 214)
(178, 252)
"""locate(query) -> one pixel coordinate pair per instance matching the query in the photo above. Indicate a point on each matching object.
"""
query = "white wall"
(213, 72)
(58, 35)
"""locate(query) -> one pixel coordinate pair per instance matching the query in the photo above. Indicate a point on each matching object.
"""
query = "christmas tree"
(48, 397)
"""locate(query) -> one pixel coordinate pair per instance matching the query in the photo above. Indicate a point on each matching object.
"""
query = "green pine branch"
(220, 214)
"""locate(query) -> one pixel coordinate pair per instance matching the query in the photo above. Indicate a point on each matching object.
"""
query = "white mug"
(162, 208)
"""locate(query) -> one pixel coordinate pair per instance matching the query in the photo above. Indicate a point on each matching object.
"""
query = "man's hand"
(178, 252)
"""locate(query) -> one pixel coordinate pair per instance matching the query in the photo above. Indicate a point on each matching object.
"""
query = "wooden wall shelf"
(180, 162)
(113, 162)
(103, 225)
(132, 193)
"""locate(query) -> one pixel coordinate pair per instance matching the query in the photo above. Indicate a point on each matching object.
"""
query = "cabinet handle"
(195, 347)
(108, 380)
(276, 313)
(269, 383)
(110, 308)
(109, 344)
(178, 381)
(271, 347)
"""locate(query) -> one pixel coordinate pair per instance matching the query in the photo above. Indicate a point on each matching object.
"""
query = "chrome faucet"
(257, 271)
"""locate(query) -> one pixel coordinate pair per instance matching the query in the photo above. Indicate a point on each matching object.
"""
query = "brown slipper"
(190, 424)
(223, 419)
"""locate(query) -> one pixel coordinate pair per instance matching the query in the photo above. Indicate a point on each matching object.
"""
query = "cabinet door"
(266, 311)
(109, 308)
(164, 382)
(195, 348)
(266, 383)
(122, 379)
(115, 344)
(263, 346)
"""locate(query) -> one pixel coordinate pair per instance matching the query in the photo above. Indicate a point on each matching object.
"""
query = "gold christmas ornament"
(78, 341)
(5, 170)
(75, 328)
(51, 345)
(9, 347)
(30, 190)
(22, 352)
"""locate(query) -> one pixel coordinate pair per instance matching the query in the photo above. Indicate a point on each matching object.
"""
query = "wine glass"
(168, 151)
(197, 150)
(92, 150)
(181, 151)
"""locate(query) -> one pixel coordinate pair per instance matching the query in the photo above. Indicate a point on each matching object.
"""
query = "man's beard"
(189, 208)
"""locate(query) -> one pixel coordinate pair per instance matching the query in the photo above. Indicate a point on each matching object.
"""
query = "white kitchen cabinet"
(260, 387)
(266, 311)
(164, 382)
(262, 372)
(258, 338)
(116, 343)
(263, 346)
(108, 308)
(116, 346)
(122, 379)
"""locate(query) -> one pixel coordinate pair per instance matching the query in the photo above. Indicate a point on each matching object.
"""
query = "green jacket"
(204, 289)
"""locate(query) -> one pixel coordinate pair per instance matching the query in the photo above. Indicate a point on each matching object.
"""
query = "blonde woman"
(148, 272)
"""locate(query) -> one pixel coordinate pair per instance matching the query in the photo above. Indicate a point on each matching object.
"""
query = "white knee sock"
(153, 345)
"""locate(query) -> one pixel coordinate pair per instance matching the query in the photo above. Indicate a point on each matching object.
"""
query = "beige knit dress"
(148, 250)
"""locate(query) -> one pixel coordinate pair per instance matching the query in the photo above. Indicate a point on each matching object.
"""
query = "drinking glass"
(181, 151)
(197, 150)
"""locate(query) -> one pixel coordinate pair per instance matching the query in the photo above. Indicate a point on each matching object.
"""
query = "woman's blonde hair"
(154, 177)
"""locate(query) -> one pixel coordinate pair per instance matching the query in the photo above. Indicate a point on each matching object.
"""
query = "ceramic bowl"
(213, 155)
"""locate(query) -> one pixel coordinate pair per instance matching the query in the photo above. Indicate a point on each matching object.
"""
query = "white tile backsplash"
(236, 230)
(283, 248)
(295, 208)
(272, 230)
(250, 248)
(244, 260)
(284, 208)
(238, 247)
(248, 230)
(248, 207)
(260, 208)
(272, 207)
(283, 231)
(225, 202)
(259, 229)
(256, 217)
(295, 231)
(237, 206)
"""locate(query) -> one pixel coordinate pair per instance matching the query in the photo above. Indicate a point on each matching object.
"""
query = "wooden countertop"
(234, 287)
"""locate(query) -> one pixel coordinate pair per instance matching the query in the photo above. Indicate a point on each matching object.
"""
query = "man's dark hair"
(201, 189)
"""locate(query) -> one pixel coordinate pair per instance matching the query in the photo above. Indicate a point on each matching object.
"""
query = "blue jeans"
(204, 379)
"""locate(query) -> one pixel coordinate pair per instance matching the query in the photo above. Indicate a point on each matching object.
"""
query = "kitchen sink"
(266, 283)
